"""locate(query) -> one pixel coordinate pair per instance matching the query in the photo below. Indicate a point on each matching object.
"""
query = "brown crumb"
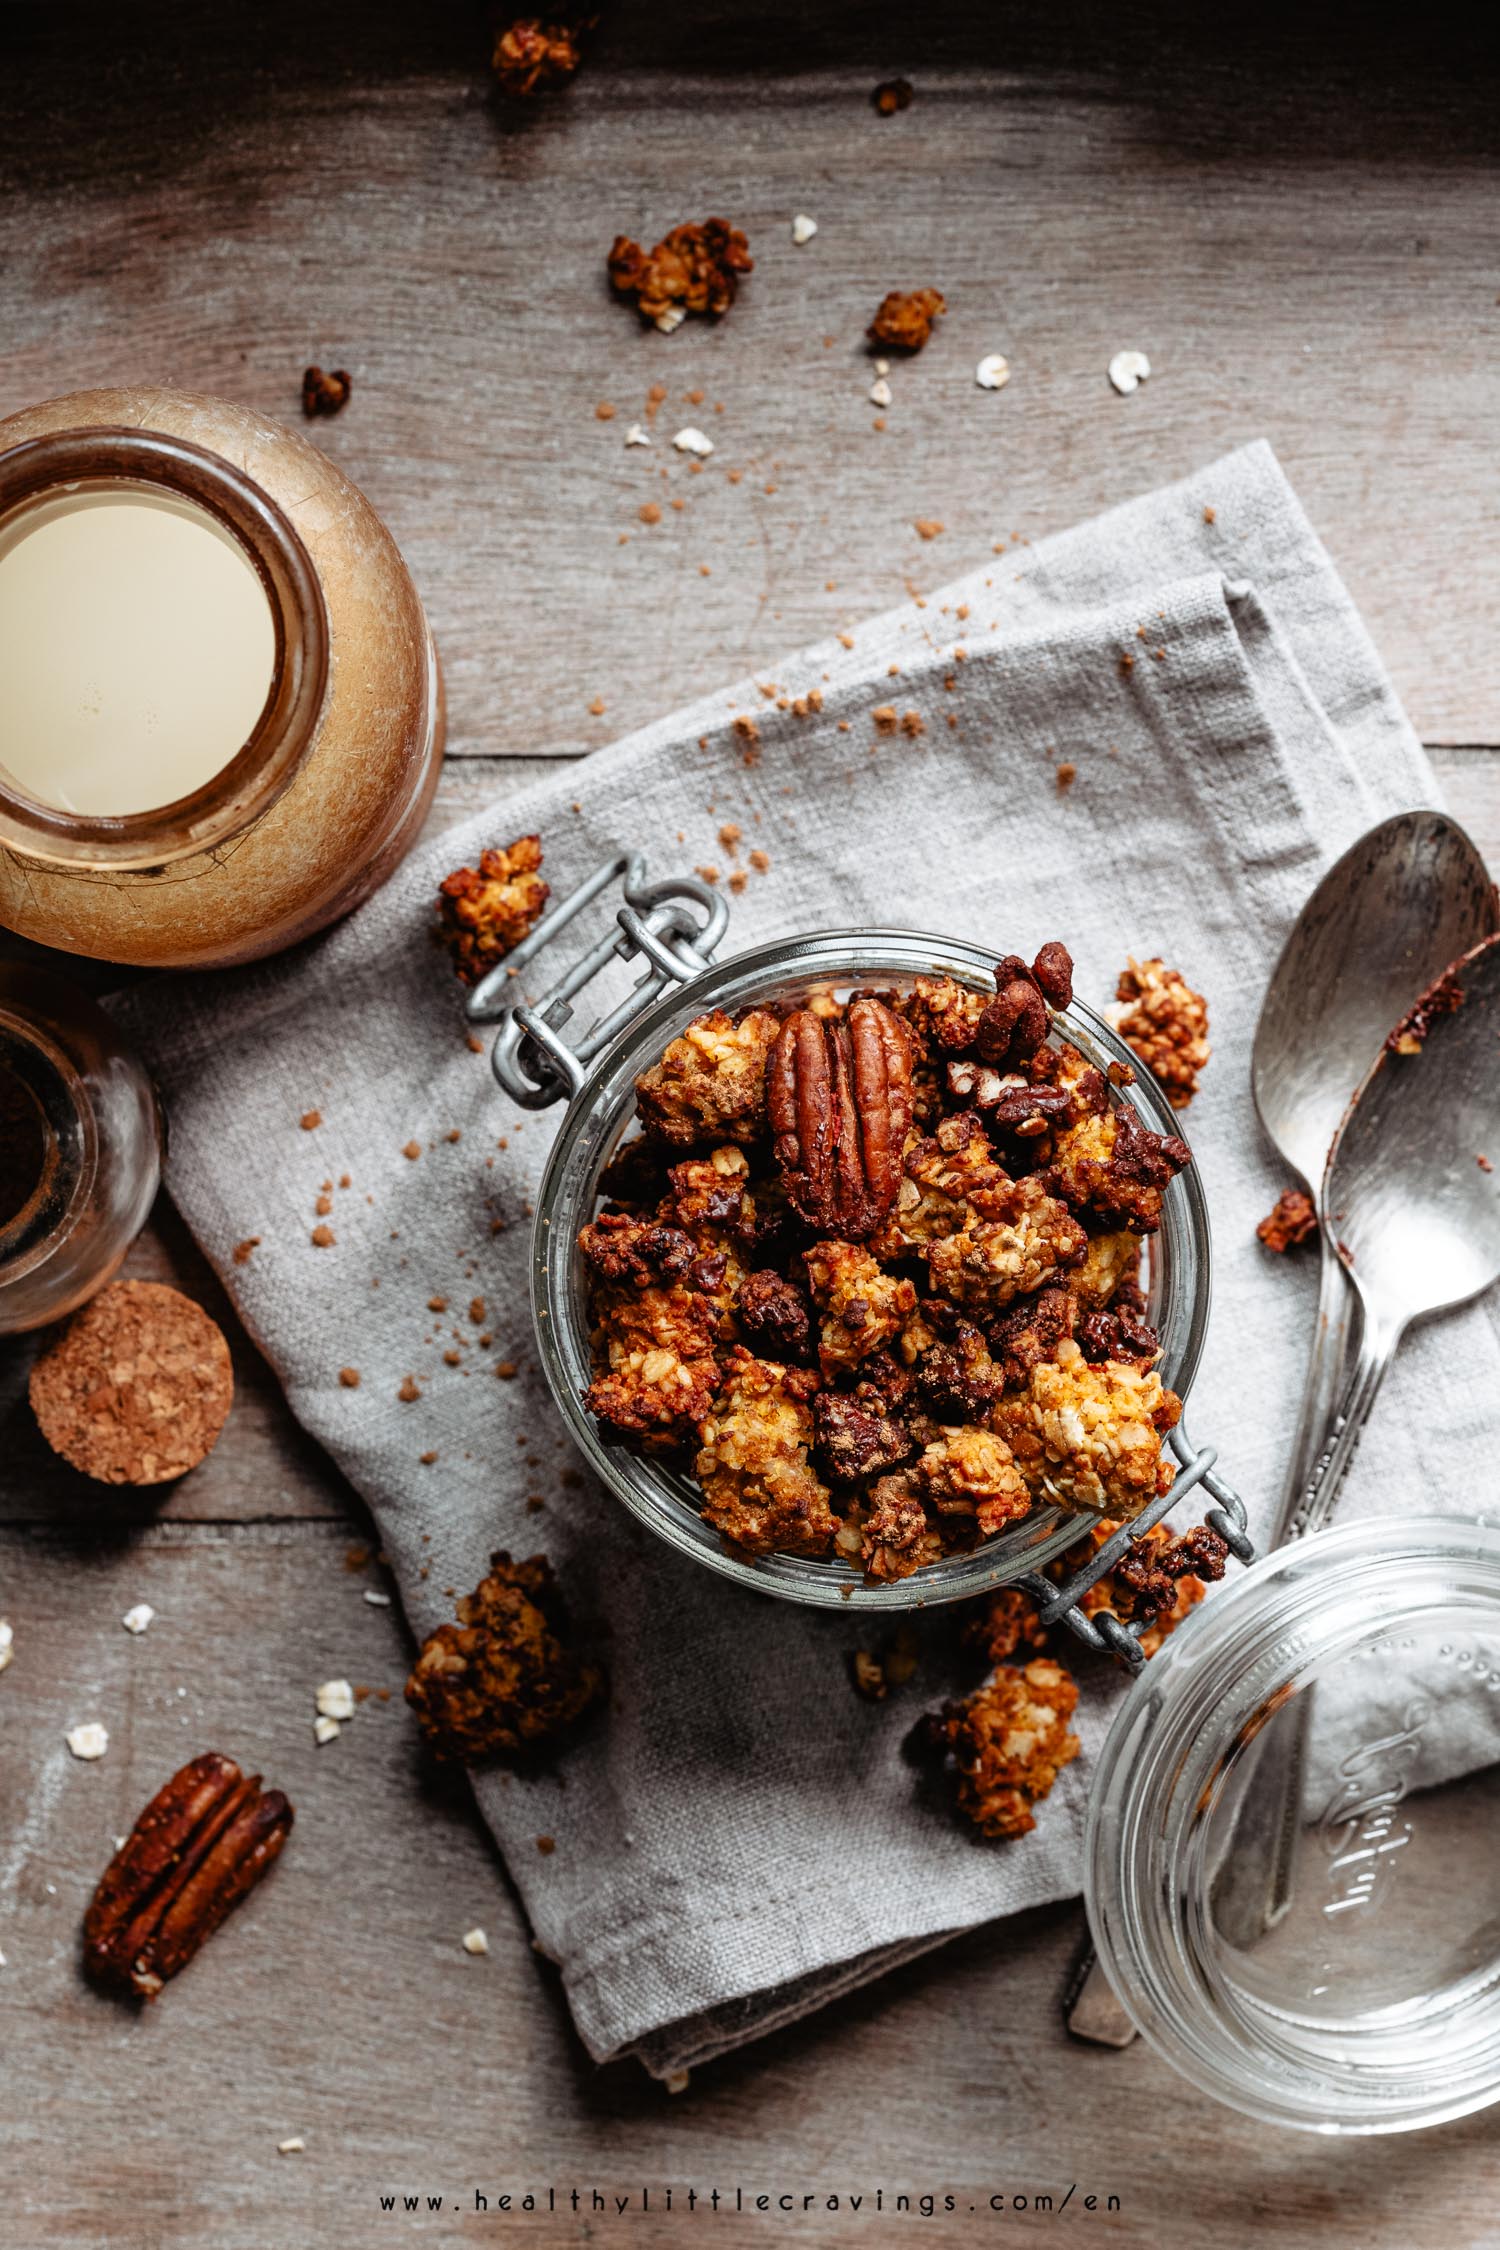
(426, 1460)
(884, 716)
(729, 837)
(349, 1377)
(506, 1369)
(913, 723)
(437, 1304)
(244, 1251)
(1067, 774)
(597, 707)
(738, 881)
(1292, 1221)
(136, 1388)
(1208, 515)
(1484, 1164)
(325, 394)
(891, 95)
(928, 527)
(649, 511)
(761, 862)
(476, 1311)
(323, 1205)
(410, 1390)
(323, 1238)
(310, 1120)
(694, 269)
(546, 1845)
(604, 412)
(904, 318)
(846, 640)
(530, 57)
(710, 874)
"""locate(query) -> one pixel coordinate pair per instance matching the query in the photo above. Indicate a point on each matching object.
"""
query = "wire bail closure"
(675, 925)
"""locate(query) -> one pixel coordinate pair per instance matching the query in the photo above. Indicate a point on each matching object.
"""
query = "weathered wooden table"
(1302, 238)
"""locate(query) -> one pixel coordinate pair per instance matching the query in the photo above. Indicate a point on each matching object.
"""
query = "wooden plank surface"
(1299, 230)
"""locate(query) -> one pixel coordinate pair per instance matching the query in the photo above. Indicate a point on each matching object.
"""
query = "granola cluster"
(869, 1272)
(904, 317)
(532, 57)
(507, 1679)
(1009, 1741)
(694, 269)
(1158, 1013)
(485, 911)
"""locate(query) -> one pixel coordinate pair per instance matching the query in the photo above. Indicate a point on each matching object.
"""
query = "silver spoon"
(1413, 1211)
(1388, 916)
(1411, 1196)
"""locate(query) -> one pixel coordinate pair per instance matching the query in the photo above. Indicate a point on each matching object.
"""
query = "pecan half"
(204, 1841)
(840, 1105)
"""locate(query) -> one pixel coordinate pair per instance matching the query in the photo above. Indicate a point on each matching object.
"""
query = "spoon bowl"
(1412, 1198)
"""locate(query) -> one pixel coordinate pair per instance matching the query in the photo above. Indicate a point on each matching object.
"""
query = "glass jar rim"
(1164, 1772)
(596, 1120)
(109, 458)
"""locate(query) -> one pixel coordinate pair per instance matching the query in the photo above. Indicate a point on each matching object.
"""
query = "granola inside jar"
(860, 1405)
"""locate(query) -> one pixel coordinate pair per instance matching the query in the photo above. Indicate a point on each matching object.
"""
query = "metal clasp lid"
(1062, 1604)
(661, 921)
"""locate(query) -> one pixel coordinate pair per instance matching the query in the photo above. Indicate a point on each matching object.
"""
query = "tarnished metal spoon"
(1411, 1195)
(1385, 920)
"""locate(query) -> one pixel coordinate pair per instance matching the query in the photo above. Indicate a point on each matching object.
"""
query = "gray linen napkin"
(743, 1838)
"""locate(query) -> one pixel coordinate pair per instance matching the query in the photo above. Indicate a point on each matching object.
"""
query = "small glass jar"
(1367, 1656)
(80, 1147)
(794, 970)
(322, 800)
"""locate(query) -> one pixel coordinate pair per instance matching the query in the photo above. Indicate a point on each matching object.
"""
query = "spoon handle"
(1320, 1494)
(1322, 1388)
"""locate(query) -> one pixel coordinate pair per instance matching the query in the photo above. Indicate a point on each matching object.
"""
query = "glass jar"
(1370, 2002)
(80, 1147)
(322, 800)
(836, 961)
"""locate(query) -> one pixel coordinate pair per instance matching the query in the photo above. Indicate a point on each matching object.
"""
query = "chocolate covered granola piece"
(506, 1680)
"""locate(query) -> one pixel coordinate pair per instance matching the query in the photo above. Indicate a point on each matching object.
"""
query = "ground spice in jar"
(24, 1148)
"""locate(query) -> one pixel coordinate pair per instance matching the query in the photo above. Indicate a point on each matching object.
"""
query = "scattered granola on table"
(694, 269)
(506, 1680)
(891, 95)
(1009, 1741)
(1292, 1221)
(869, 1273)
(1166, 1022)
(205, 1840)
(533, 57)
(484, 912)
(325, 394)
(904, 318)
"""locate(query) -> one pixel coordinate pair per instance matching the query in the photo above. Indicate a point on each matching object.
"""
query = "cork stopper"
(136, 1387)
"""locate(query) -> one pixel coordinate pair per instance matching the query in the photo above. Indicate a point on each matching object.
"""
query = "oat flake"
(89, 1741)
(1128, 370)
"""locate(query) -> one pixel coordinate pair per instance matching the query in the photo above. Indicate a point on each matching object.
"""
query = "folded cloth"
(742, 1838)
